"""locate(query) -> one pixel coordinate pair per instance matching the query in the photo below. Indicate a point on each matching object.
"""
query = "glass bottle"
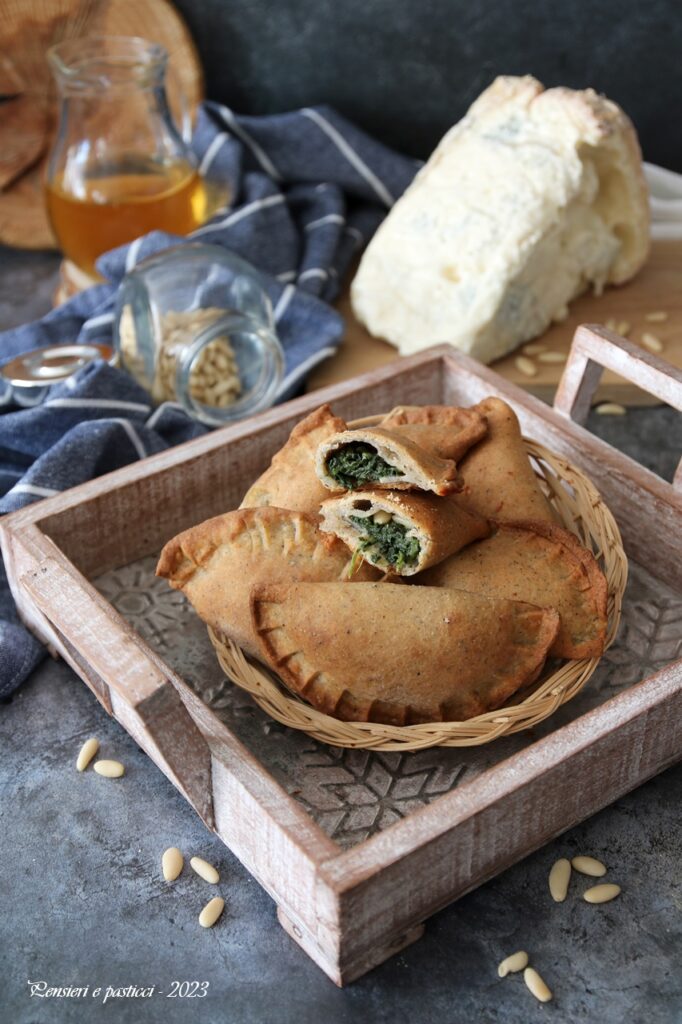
(194, 325)
(118, 167)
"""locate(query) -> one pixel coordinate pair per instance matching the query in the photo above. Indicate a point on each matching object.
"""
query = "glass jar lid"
(53, 363)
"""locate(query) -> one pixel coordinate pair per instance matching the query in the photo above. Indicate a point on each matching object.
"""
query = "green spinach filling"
(389, 540)
(356, 463)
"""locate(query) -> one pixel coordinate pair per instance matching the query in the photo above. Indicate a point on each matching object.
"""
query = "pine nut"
(172, 863)
(536, 985)
(87, 752)
(602, 893)
(534, 348)
(109, 769)
(205, 870)
(589, 866)
(552, 357)
(559, 877)
(610, 409)
(381, 517)
(211, 912)
(526, 366)
(515, 962)
(623, 328)
(653, 343)
(222, 387)
(659, 316)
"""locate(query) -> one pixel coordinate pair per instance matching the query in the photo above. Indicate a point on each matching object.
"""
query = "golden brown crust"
(447, 431)
(440, 525)
(397, 654)
(421, 469)
(499, 482)
(216, 563)
(537, 561)
(290, 480)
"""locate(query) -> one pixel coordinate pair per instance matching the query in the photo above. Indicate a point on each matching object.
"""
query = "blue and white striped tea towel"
(310, 189)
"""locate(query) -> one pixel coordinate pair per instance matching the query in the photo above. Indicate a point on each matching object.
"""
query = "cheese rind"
(533, 197)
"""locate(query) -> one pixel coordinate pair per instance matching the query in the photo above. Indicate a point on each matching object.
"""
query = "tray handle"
(109, 657)
(595, 348)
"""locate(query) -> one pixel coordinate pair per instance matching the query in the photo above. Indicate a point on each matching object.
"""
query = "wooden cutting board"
(658, 287)
(29, 28)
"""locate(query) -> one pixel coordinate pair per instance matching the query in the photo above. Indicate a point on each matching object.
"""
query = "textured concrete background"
(83, 902)
(408, 70)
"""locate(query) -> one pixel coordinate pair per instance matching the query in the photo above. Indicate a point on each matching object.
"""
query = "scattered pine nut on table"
(211, 912)
(653, 343)
(526, 365)
(205, 870)
(87, 752)
(602, 893)
(172, 863)
(109, 769)
(589, 866)
(610, 409)
(658, 316)
(536, 985)
(515, 962)
(559, 877)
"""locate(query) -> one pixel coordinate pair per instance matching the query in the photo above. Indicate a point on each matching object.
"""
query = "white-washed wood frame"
(350, 910)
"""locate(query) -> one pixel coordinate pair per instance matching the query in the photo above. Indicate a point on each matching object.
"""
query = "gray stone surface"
(83, 902)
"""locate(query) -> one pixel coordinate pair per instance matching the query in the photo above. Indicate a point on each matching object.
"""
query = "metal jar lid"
(53, 363)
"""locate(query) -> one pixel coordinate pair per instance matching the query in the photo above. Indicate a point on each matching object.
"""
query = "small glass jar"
(194, 325)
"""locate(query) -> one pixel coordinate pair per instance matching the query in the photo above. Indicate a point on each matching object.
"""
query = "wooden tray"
(656, 287)
(358, 848)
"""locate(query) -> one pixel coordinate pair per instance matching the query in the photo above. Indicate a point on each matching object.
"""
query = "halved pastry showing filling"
(400, 532)
(536, 562)
(382, 458)
(385, 652)
(217, 562)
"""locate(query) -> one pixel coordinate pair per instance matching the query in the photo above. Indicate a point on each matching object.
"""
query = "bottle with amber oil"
(119, 167)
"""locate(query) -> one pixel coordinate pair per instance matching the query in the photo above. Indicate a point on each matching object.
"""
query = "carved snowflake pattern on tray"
(354, 794)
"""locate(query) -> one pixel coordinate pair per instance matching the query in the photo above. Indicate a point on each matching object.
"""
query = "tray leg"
(345, 969)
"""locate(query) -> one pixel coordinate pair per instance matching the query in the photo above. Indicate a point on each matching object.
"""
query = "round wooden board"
(656, 287)
(29, 28)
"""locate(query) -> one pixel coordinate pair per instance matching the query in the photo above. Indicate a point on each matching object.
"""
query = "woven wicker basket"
(582, 511)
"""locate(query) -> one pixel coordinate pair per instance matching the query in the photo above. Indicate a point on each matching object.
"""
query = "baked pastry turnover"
(431, 586)
(217, 563)
(499, 482)
(447, 431)
(401, 532)
(541, 563)
(382, 652)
